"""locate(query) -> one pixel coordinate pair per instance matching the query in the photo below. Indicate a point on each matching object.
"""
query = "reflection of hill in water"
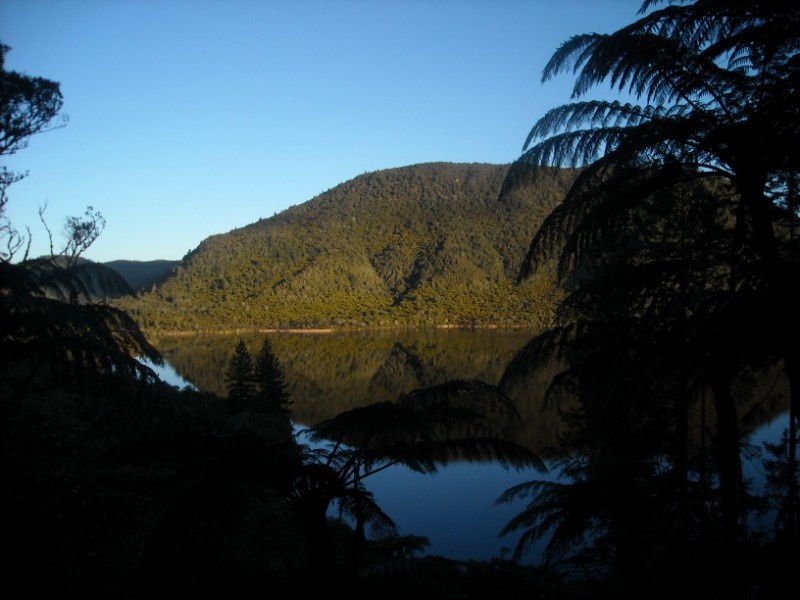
(400, 366)
(330, 373)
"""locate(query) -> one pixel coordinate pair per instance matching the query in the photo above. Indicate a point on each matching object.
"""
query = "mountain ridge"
(426, 244)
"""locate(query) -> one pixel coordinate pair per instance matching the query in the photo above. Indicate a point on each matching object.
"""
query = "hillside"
(142, 275)
(427, 244)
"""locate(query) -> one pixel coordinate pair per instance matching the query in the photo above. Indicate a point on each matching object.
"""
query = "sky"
(191, 118)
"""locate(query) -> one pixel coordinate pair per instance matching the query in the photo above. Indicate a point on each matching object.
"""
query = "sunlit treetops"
(425, 244)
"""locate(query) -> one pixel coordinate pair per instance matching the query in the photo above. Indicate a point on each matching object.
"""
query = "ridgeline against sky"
(190, 119)
(427, 244)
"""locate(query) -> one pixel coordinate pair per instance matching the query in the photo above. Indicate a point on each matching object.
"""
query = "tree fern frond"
(360, 503)
(521, 490)
(81, 340)
(572, 148)
(595, 113)
(650, 67)
(570, 54)
(493, 449)
(429, 427)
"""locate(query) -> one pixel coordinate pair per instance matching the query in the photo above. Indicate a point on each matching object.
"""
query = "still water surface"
(329, 373)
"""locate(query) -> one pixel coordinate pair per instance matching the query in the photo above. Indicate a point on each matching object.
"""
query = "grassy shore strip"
(192, 332)
(325, 330)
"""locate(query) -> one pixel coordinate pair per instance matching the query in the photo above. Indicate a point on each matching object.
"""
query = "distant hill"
(143, 275)
(428, 244)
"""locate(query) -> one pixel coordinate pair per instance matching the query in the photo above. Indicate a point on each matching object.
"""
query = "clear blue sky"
(191, 118)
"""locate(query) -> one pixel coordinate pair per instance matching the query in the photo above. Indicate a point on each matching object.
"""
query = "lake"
(333, 372)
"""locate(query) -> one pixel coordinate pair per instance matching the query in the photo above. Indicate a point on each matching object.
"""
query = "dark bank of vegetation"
(422, 245)
(679, 239)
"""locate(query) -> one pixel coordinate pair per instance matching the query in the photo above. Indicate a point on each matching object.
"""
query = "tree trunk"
(728, 459)
(320, 559)
(682, 467)
(751, 185)
(359, 538)
(793, 372)
(792, 364)
(729, 463)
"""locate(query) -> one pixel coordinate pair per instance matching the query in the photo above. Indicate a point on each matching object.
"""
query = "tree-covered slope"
(425, 244)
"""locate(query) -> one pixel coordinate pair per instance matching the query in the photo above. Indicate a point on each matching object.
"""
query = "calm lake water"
(329, 373)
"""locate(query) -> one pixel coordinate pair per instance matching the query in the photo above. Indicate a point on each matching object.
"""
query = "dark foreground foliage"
(678, 244)
(680, 241)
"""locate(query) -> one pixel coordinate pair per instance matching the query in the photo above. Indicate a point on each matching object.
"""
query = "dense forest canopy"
(425, 244)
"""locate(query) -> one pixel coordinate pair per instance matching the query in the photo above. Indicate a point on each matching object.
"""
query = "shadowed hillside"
(142, 275)
(425, 244)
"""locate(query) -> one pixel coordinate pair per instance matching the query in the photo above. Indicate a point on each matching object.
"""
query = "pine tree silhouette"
(269, 380)
(239, 378)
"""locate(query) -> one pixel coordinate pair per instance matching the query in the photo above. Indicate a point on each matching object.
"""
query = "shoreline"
(330, 330)
(193, 332)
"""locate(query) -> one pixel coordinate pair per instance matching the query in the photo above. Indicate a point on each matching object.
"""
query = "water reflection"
(330, 373)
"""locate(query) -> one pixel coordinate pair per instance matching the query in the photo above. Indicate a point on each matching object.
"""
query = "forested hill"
(428, 244)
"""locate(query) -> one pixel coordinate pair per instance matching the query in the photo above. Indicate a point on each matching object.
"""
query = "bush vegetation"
(429, 244)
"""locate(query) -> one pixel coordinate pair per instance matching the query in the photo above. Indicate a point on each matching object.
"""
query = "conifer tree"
(270, 380)
(239, 378)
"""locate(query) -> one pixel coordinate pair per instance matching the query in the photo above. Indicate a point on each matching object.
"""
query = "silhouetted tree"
(269, 380)
(51, 325)
(28, 105)
(717, 83)
(239, 378)
(716, 88)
